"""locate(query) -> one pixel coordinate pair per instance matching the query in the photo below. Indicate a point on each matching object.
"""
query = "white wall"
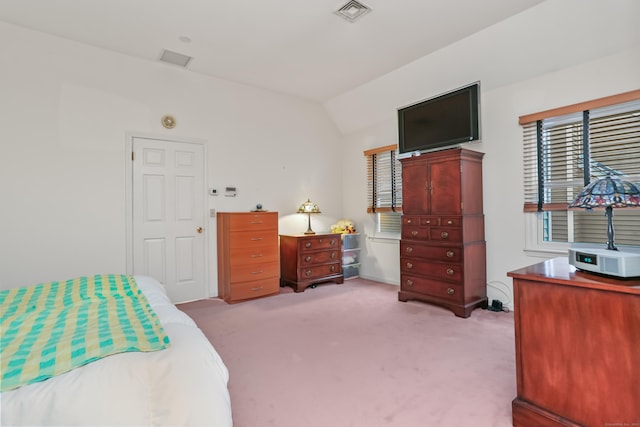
(65, 110)
(558, 53)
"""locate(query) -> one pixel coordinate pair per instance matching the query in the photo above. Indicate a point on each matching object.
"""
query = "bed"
(184, 384)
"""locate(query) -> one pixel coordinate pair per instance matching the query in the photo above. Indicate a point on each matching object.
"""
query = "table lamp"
(608, 192)
(309, 208)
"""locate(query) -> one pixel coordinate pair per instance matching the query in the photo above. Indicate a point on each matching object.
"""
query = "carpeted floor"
(353, 355)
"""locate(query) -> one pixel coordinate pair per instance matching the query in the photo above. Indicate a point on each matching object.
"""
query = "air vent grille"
(353, 10)
(175, 58)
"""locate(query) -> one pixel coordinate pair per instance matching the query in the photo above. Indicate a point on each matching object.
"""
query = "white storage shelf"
(350, 256)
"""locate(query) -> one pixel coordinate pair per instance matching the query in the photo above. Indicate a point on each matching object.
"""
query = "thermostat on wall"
(230, 191)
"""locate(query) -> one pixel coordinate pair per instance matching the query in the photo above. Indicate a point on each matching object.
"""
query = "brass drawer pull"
(257, 272)
(428, 221)
(308, 273)
(409, 265)
(450, 254)
(333, 242)
(257, 255)
(256, 289)
(414, 233)
(256, 222)
(409, 282)
(333, 255)
(408, 221)
(333, 268)
(450, 272)
(444, 234)
(408, 249)
(307, 258)
(307, 244)
(450, 222)
(451, 291)
(257, 238)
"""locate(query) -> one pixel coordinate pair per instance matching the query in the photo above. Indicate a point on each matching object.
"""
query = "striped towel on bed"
(51, 328)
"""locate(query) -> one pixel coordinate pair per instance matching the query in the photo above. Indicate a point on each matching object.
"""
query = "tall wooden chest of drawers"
(306, 260)
(442, 247)
(248, 265)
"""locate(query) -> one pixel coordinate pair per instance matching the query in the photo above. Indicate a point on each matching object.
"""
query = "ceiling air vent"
(353, 10)
(175, 58)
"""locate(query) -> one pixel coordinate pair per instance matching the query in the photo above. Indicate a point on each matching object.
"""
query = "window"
(565, 149)
(384, 189)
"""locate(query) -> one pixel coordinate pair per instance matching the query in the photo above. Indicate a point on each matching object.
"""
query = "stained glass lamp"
(608, 192)
(309, 208)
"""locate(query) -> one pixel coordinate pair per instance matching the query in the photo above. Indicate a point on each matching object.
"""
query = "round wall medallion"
(168, 121)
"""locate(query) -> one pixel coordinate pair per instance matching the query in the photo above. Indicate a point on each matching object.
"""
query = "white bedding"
(183, 385)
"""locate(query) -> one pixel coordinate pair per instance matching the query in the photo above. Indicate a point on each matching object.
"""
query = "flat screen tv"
(443, 121)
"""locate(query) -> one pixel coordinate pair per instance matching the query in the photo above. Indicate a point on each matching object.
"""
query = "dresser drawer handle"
(333, 268)
(451, 291)
(257, 272)
(257, 255)
(256, 222)
(428, 221)
(444, 234)
(450, 222)
(409, 265)
(450, 254)
(308, 273)
(307, 244)
(450, 272)
(414, 233)
(408, 221)
(408, 249)
(257, 238)
(307, 258)
(333, 255)
(409, 282)
(256, 289)
(333, 242)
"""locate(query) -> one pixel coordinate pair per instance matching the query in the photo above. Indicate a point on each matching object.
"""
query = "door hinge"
(132, 156)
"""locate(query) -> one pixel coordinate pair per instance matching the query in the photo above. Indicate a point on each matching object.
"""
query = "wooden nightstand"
(306, 260)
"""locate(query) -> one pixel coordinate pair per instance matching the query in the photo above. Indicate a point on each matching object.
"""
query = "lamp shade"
(309, 208)
(608, 191)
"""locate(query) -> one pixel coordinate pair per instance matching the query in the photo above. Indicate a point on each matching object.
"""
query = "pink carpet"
(353, 355)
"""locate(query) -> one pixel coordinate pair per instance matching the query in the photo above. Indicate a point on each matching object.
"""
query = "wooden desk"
(577, 341)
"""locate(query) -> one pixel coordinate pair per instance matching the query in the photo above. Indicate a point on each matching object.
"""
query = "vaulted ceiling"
(297, 47)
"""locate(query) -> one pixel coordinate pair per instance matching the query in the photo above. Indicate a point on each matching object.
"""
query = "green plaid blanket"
(51, 328)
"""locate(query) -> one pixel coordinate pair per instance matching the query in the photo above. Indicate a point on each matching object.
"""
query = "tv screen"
(443, 121)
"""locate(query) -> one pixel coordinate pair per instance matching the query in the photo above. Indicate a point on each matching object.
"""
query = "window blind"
(562, 154)
(384, 180)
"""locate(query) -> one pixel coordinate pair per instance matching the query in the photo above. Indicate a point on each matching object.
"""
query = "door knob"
(199, 229)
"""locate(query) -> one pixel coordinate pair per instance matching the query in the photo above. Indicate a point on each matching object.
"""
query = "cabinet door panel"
(414, 188)
(445, 187)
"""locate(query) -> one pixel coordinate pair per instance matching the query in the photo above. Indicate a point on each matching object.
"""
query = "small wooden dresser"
(306, 260)
(248, 264)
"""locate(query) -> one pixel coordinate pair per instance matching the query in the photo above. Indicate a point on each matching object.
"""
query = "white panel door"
(168, 216)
